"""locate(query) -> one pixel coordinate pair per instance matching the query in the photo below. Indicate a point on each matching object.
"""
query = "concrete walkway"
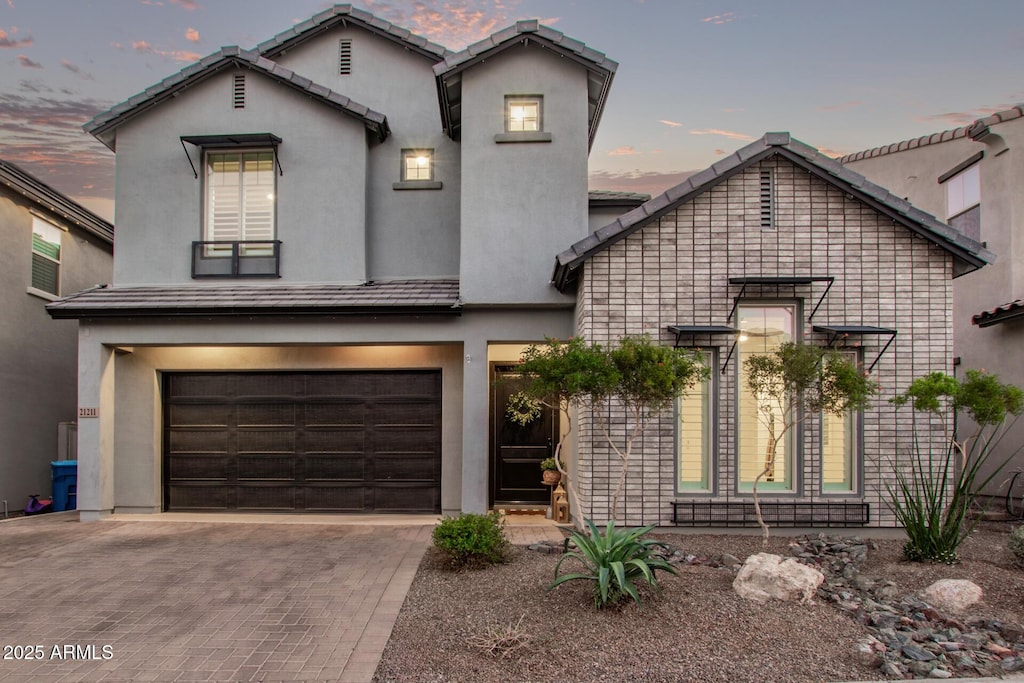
(218, 598)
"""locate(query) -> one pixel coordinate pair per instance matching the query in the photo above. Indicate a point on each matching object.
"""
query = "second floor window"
(45, 256)
(240, 196)
(523, 114)
(417, 164)
(963, 191)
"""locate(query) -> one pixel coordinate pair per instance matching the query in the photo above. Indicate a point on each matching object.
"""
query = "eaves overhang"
(1001, 314)
(53, 202)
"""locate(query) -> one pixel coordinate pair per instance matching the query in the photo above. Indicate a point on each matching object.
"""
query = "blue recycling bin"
(65, 485)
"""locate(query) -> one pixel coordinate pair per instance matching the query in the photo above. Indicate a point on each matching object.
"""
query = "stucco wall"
(38, 355)
(321, 196)
(521, 202)
(914, 173)
(410, 233)
(676, 271)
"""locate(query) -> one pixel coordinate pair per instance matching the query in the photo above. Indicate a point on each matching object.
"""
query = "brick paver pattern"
(201, 601)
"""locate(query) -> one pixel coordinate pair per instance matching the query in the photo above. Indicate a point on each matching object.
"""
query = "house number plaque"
(88, 412)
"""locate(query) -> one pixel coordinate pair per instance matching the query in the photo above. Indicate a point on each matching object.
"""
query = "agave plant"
(615, 561)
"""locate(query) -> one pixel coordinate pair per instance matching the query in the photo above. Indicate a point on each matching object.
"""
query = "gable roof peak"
(968, 254)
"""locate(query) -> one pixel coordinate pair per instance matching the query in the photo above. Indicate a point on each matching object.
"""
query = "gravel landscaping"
(865, 623)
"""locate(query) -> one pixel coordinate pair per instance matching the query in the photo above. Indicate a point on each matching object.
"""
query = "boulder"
(953, 595)
(766, 577)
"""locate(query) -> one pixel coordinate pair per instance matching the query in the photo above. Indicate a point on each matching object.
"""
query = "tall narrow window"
(240, 198)
(759, 426)
(694, 434)
(767, 200)
(523, 113)
(238, 92)
(840, 449)
(45, 256)
(345, 56)
(963, 191)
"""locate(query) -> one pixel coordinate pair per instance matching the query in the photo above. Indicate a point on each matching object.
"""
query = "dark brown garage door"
(312, 442)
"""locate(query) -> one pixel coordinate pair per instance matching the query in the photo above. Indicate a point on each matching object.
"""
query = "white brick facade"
(676, 270)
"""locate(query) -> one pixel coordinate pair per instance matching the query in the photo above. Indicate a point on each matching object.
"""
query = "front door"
(516, 450)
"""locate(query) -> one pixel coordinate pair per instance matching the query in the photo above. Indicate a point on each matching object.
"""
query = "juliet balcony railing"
(247, 258)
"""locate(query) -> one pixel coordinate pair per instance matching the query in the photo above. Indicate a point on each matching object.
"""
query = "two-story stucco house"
(774, 243)
(331, 249)
(968, 177)
(52, 246)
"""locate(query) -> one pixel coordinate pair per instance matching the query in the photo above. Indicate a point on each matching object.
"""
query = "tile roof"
(969, 254)
(395, 297)
(1000, 314)
(449, 79)
(346, 14)
(103, 125)
(60, 205)
(974, 130)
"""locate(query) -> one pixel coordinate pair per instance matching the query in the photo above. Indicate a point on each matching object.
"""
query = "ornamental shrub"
(1017, 545)
(472, 541)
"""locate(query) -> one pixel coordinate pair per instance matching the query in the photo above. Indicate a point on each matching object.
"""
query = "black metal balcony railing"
(247, 258)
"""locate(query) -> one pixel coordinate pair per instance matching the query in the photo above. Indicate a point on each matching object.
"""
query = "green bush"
(614, 561)
(472, 540)
(1017, 545)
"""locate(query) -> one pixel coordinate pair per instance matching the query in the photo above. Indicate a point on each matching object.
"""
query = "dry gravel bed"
(698, 630)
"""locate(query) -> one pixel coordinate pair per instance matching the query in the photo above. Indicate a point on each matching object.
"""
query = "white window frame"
(700, 398)
(417, 171)
(963, 191)
(789, 447)
(523, 123)
(852, 447)
(246, 228)
(51, 234)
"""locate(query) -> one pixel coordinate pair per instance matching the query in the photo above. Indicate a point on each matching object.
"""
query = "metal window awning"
(693, 330)
(838, 332)
(792, 280)
(232, 140)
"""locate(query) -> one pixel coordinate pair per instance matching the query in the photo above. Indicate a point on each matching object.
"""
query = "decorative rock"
(865, 654)
(892, 670)
(939, 673)
(1012, 664)
(765, 576)
(917, 653)
(1012, 633)
(998, 650)
(730, 560)
(953, 595)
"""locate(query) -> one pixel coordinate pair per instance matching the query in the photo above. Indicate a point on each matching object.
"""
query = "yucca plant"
(615, 561)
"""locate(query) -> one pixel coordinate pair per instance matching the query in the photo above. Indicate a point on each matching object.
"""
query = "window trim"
(240, 150)
(711, 355)
(960, 175)
(60, 231)
(796, 436)
(509, 135)
(407, 183)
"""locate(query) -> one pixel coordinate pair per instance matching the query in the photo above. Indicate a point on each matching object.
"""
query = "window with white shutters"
(240, 198)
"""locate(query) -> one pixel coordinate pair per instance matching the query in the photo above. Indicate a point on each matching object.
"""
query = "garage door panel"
(341, 441)
(184, 467)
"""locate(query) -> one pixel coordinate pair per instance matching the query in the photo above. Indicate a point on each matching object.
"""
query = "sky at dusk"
(697, 78)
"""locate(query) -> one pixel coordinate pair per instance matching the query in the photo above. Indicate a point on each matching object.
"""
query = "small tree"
(793, 382)
(933, 501)
(644, 376)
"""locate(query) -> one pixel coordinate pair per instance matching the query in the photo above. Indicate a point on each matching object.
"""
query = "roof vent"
(345, 56)
(767, 203)
(238, 92)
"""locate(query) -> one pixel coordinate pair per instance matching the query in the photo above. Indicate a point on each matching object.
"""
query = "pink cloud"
(963, 118)
(144, 48)
(834, 153)
(455, 23)
(844, 106)
(28, 63)
(8, 40)
(724, 133)
(189, 5)
(624, 151)
(719, 19)
(152, 3)
(670, 124)
(720, 152)
(192, 35)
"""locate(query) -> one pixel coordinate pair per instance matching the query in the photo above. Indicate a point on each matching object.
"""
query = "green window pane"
(45, 274)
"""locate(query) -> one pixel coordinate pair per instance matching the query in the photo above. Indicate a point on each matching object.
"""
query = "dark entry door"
(353, 441)
(516, 451)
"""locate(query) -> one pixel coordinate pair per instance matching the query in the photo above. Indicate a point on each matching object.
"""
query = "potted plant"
(551, 474)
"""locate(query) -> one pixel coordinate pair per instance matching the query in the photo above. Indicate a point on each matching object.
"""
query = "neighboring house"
(774, 243)
(321, 277)
(52, 246)
(968, 177)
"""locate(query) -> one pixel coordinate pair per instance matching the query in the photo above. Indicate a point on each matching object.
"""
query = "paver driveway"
(196, 601)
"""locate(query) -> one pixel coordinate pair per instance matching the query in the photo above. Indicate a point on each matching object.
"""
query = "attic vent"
(767, 203)
(238, 93)
(345, 56)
